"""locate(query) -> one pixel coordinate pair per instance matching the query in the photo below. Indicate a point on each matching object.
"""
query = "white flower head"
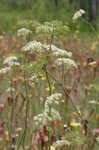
(62, 53)
(44, 29)
(49, 114)
(78, 14)
(46, 117)
(11, 61)
(53, 99)
(5, 70)
(66, 61)
(57, 51)
(33, 46)
(23, 32)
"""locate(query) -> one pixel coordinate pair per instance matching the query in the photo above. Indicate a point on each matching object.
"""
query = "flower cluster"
(5, 70)
(51, 27)
(49, 114)
(57, 51)
(61, 143)
(38, 119)
(33, 46)
(54, 98)
(62, 53)
(11, 61)
(44, 29)
(23, 32)
(38, 47)
(78, 14)
(46, 117)
(68, 62)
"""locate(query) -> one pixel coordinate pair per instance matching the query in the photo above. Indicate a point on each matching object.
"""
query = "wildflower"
(38, 47)
(53, 98)
(50, 47)
(46, 117)
(5, 70)
(68, 62)
(33, 46)
(10, 58)
(11, 61)
(23, 32)
(49, 114)
(57, 51)
(61, 52)
(78, 14)
(44, 29)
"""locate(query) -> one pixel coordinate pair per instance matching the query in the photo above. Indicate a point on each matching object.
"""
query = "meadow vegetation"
(49, 81)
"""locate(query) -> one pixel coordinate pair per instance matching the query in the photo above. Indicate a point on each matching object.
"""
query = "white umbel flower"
(57, 51)
(33, 46)
(66, 61)
(38, 47)
(5, 70)
(78, 14)
(47, 117)
(23, 32)
(11, 61)
(44, 29)
(53, 99)
(49, 114)
(62, 53)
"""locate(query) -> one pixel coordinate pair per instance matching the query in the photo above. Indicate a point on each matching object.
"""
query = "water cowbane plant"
(49, 114)
(11, 61)
(69, 63)
(33, 46)
(23, 32)
(5, 70)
